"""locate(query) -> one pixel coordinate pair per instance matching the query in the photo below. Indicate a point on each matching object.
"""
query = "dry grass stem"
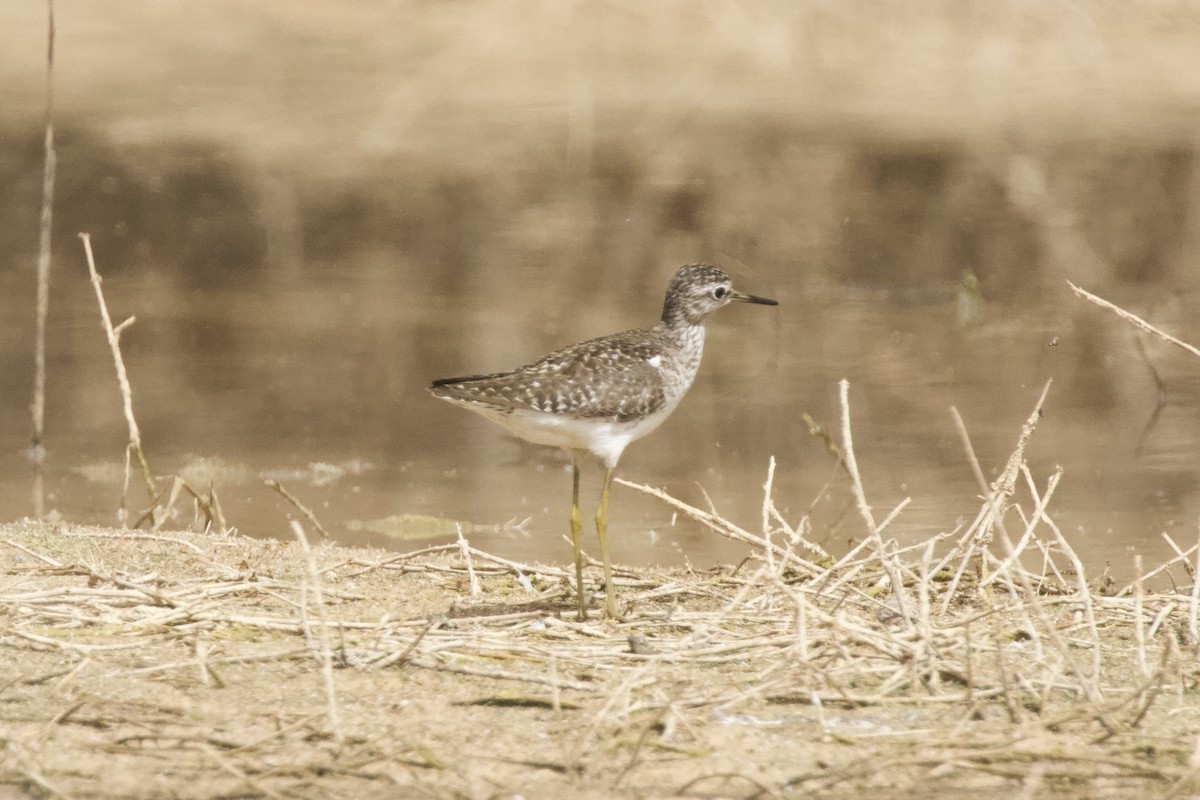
(113, 335)
(303, 509)
(969, 449)
(991, 516)
(208, 505)
(768, 553)
(313, 590)
(864, 509)
(1134, 320)
(37, 450)
(724, 527)
(1139, 626)
(1194, 603)
(1181, 557)
(465, 549)
(1031, 525)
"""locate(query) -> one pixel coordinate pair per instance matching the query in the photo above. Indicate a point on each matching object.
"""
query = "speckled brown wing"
(612, 377)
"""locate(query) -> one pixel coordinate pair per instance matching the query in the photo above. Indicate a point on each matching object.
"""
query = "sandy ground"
(182, 665)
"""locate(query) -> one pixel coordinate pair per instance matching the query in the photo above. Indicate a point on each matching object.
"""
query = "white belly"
(606, 439)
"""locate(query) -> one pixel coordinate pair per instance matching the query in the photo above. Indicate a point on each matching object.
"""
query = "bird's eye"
(720, 292)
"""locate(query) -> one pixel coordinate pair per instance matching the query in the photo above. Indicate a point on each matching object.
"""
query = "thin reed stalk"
(1085, 591)
(1030, 524)
(1194, 605)
(313, 586)
(113, 335)
(864, 509)
(991, 516)
(1134, 319)
(37, 446)
(768, 553)
(465, 549)
(1139, 618)
(45, 230)
(726, 528)
(303, 509)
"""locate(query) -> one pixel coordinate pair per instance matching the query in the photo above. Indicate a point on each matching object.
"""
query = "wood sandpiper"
(598, 396)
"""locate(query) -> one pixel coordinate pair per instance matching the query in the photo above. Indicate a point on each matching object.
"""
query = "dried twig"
(326, 651)
(991, 516)
(864, 509)
(1134, 320)
(303, 509)
(1194, 604)
(114, 342)
(37, 449)
(465, 549)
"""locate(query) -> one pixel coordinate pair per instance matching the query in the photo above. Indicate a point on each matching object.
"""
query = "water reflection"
(291, 311)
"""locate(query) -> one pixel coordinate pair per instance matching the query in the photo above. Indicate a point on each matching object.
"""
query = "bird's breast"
(678, 365)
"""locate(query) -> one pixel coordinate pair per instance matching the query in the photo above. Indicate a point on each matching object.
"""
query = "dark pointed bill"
(749, 298)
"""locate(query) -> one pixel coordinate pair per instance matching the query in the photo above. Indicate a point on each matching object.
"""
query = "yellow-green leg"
(577, 535)
(610, 591)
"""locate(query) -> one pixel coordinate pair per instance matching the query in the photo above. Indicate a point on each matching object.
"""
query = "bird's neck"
(676, 315)
(680, 328)
(689, 341)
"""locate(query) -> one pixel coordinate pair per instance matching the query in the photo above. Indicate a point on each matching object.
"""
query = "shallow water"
(295, 294)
